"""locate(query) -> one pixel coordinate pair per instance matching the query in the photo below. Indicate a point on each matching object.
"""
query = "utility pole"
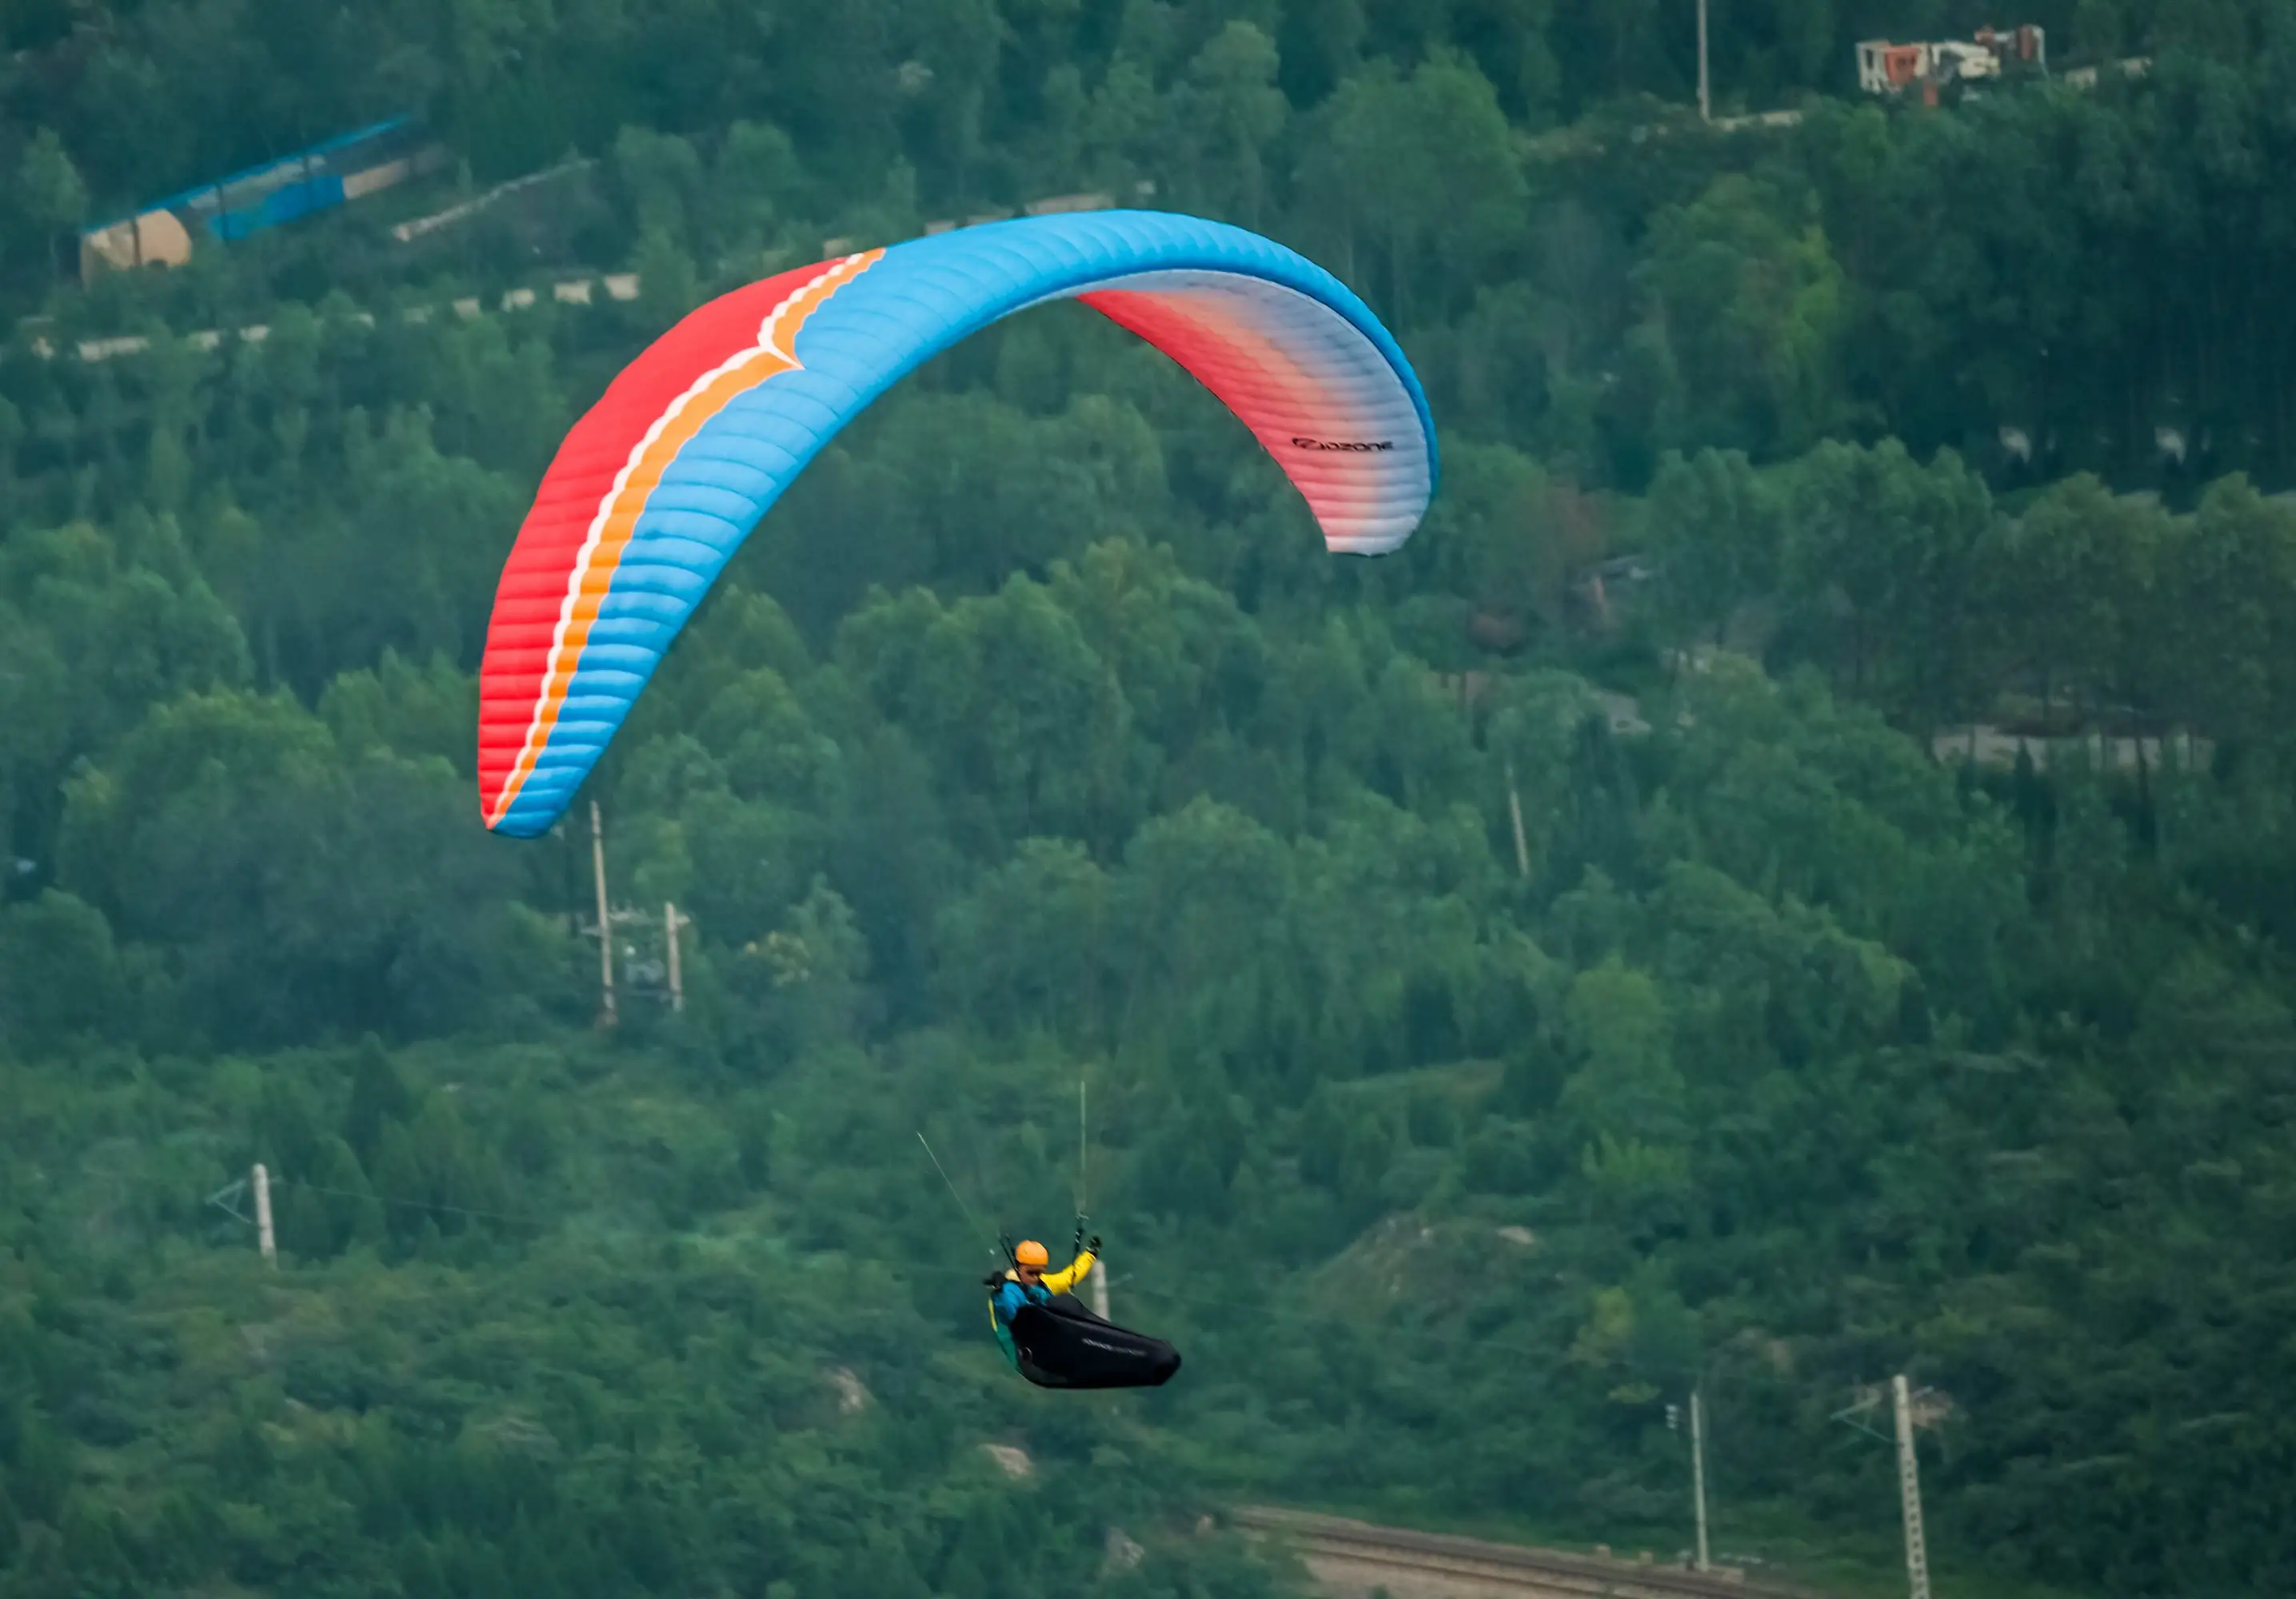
(1913, 1410)
(1909, 1489)
(606, 1016)
(1698, 1470)
(264, 1240)
(1705, 92)
(1515, 811)
(671, 923)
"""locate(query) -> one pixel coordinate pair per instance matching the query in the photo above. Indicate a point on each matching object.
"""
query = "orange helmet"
(1031, 1253)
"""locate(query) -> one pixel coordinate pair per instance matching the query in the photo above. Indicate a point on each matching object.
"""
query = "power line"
(412, 1204)
(1233, 1309)
(888, 1263)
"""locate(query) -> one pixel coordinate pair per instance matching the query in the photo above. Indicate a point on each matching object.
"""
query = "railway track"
(1355, 1560)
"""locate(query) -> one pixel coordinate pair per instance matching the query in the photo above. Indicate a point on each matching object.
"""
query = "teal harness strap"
(1003, 1333)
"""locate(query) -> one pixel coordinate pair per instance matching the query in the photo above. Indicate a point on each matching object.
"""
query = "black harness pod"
(1064, 1345)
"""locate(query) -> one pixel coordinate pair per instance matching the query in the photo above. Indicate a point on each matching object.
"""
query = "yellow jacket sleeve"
(1060, 1282)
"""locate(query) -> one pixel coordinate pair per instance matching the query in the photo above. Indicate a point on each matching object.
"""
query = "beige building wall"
(154, 238)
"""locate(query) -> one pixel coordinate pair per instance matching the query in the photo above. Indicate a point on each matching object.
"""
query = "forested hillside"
(1475, 1064)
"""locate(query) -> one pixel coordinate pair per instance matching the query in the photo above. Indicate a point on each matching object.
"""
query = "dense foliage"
(1476, 1063)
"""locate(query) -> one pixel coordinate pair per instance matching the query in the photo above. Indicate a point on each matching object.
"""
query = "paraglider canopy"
(659, 484)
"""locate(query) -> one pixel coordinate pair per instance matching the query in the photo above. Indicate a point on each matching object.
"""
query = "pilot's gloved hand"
(1092, 1244)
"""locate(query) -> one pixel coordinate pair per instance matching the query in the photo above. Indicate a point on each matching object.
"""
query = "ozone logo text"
(1367, 445)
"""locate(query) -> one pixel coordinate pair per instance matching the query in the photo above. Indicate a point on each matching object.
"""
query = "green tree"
(1229, 111)
(1203, 907)
(2225, 593)
(1748, 299)
(1626, 1087)
(59, 974)
(2076, 572)
(661, 178)
(754, 185)
(1029, 944)
(409, 710)
(1713, 526)
(815, 966)
(1535, 728)
(1896, 560)
(379, 1096)
(1387, 163)
(49, 192)
(226, 828)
